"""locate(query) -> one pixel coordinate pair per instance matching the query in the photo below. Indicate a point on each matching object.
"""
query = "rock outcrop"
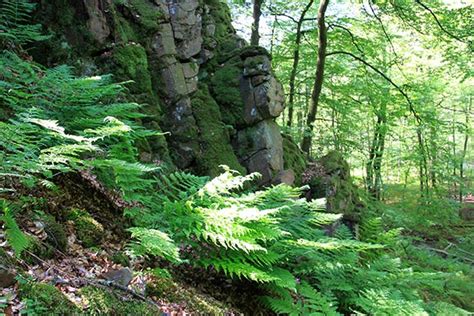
(330, 178)
(216, 96)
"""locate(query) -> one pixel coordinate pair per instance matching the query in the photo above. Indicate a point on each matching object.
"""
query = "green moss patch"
(88, 230)
(168, 290)
(225, 87)
(147, 14)
(106, 302)
(214, 138)
(131, 63)
(293, 158)
(45, 299)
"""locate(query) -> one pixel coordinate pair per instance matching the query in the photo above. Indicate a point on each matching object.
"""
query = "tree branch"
(437, 21)
(403, 93)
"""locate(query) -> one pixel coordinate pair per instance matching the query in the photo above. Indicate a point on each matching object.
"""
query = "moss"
(6, 260)
(333, 162)
(214, 138)
(56, 235)
(341, 193)
(131, 63)
(88, 230)
(249, 51)
(46, 299)
(127, 33)
(170, 291)
(147, 14)
(121, 258)
(225, 86)
(293, 158)
(105, 302)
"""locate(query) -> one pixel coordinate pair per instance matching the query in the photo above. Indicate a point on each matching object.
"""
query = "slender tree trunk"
(272, 40)
(378, 162)
(464, 150)
(318, 82)
(423, 164)
(257, 12)
(296, 60)
(374, 164)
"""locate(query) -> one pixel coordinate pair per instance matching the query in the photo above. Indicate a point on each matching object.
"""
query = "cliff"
(214, 96)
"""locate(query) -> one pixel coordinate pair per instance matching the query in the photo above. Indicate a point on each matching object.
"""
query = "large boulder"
(330, 178)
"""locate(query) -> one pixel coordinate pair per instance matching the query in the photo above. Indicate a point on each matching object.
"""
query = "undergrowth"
(54, 122)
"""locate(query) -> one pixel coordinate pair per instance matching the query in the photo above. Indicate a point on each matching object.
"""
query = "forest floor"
(103, 268)
(87, 277)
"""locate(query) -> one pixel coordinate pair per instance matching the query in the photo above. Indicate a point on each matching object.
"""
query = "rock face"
(200, 81)
(330, 178)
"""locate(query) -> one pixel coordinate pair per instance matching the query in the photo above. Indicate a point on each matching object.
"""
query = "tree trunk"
(318, 82)
(257, 12)
(296, 60)
(374, 164)
(464, 151)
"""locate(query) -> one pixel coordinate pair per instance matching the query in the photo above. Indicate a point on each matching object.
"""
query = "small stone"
(7, 277)
(121, 277)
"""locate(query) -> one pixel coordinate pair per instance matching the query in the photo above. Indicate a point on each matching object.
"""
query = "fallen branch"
(448, 254)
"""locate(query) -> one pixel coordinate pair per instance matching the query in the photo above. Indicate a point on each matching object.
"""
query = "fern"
(304, 300)
(154, 242)
(15, 237)
(14, 15)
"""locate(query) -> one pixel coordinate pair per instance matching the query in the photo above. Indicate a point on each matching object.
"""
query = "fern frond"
(15, 237)
(154, 242)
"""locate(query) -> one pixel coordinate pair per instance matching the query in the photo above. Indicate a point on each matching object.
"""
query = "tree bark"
(374, 164)
(257, 12)
(318, 82)
(464, 151)
(296, 60)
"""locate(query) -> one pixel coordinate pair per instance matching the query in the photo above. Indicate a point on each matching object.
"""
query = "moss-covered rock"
(45, 299)
(56, 236)
(88, 230)
(56, 239)
(293, 158)
(330, 178)
(37, 249)
(121, 258)
(168, 290)
(214, 138)
(225, 87)
(106, 302)
(131, 63)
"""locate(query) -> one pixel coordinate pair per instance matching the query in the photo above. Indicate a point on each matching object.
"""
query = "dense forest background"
(244, 157)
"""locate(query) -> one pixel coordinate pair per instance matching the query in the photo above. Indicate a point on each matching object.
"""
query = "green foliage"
(154, 242)
(42, 298)
(15, 237)
(88, 230)
(275, 239)
(14, 15)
